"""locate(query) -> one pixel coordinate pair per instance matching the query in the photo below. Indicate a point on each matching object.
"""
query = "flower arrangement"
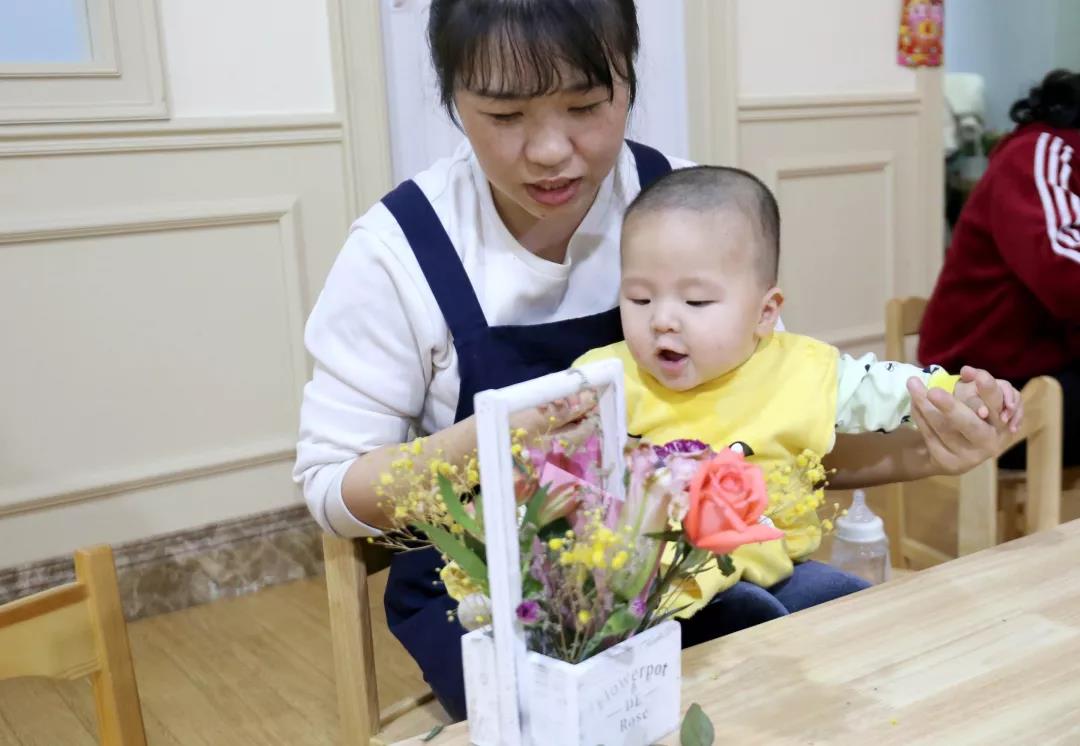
(595, 569)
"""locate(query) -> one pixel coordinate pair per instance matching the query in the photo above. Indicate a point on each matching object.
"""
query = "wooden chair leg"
(116, 694)
(978, 506)
(350, 632)
(1044, 463)
(1009, 501)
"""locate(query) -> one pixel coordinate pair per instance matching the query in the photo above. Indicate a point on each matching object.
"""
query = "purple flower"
(528, 612)
(682, 447)
(637, 607)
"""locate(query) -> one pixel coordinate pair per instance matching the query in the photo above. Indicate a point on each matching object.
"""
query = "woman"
(501, 264)
(1008, 298)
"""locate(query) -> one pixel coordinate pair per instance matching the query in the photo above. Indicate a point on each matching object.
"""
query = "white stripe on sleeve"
(1054, 196)
(1060, 168)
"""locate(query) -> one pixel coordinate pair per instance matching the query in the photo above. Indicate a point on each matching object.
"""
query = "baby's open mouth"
(670, 356)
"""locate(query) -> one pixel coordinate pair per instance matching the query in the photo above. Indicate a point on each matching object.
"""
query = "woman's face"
(545, 156)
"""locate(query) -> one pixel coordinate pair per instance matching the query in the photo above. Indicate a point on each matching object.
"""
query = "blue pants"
(745, 604)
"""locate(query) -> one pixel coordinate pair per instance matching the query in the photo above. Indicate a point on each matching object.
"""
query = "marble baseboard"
(175, 571)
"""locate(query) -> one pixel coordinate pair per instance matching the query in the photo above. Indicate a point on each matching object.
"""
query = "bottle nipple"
(860, 524)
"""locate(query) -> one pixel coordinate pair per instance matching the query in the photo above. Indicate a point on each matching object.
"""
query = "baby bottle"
(860, 546)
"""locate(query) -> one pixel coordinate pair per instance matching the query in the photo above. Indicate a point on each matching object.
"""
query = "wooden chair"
(78, 630)
(350, 565)
(986, 493)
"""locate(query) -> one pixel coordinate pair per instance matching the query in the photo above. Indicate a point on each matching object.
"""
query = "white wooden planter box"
(626, 696)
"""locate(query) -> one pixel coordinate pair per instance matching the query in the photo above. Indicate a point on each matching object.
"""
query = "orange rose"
(727, 497)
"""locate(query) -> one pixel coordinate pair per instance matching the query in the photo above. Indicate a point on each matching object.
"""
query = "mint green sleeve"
(872, 394)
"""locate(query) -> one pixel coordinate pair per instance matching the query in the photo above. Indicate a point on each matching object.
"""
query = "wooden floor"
(255, 670)
(258, 670)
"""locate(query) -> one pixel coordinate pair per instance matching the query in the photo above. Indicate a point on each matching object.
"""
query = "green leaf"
(619, 623)
(532, 510)
(445, 542)
(432, 733)
(666, 536)
(530, 586)
(686, 573)
(725, 564)
(526, 534)
(478, 501)
(698, 556)
(456, 509)
(476, 546)
(697, 729)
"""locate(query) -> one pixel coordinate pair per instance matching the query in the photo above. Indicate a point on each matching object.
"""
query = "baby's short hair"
(708, 188)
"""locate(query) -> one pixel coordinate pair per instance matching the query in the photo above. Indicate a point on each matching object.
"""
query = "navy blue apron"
(489, 357)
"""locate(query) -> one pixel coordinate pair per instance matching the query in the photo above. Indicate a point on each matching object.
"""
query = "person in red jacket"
(1008, 298)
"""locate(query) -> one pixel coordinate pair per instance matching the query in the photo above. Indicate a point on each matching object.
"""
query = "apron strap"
(651, 163)
(439, 261)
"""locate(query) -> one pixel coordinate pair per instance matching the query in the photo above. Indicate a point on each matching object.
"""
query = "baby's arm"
(872, 394)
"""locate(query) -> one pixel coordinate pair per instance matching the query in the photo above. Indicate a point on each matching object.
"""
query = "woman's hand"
(956, 438)
(566, 419)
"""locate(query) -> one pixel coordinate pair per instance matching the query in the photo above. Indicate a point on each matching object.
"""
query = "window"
(80, 60)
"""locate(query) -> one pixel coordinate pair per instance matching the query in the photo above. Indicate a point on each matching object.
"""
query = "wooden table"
(981, 650)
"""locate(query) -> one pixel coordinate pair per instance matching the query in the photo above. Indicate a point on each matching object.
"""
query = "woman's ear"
(771, 304)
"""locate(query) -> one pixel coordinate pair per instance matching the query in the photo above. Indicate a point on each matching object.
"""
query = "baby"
(699, 304)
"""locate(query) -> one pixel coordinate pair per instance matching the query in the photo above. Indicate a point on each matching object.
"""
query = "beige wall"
(850, 142)
(791, 48)
(247, 57)
(155, 277)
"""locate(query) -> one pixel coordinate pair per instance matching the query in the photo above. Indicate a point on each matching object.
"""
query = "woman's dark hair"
(522, 48)
(1055, 101)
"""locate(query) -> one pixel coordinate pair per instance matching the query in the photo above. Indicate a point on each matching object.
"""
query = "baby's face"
(693, 304)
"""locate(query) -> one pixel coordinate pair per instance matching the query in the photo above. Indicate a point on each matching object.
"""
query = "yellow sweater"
(780, 402)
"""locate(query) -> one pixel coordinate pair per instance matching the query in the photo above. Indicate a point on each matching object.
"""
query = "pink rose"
(727, 497)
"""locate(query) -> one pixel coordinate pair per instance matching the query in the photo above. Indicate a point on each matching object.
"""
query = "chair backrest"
(78, 630)
(902, 319)
(978, 505)
(1042, 396)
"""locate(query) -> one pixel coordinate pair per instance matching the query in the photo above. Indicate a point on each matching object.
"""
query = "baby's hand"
(990, 398)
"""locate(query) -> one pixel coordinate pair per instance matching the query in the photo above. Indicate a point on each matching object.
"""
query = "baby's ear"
(771, 303)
